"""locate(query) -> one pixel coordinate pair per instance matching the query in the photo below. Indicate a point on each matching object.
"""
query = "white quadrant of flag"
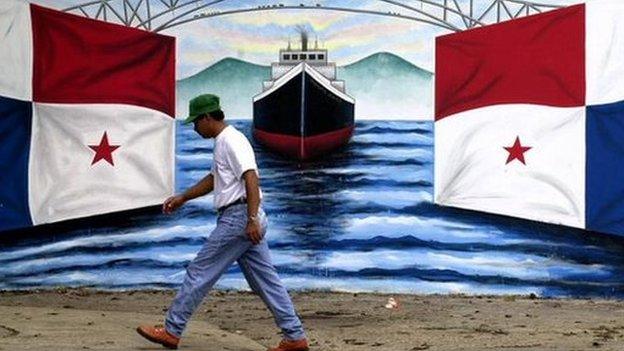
(16, 59)
(66, 141)
(473, 167)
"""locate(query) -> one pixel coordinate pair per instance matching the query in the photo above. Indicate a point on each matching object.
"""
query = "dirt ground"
(81, 319)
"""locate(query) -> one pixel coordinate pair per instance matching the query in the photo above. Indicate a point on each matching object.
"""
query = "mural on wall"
(360, 218)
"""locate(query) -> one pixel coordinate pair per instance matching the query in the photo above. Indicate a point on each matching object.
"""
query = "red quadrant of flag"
(533, 60)
(80, 60)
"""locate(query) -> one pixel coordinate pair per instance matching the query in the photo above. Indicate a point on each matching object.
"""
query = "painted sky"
(257, 36)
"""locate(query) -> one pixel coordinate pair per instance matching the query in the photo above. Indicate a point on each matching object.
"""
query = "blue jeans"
(227, 243)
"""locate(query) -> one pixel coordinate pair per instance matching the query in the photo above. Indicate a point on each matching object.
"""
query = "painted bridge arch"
(453, 15)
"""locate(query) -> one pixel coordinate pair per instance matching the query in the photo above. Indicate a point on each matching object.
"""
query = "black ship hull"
(304, 116)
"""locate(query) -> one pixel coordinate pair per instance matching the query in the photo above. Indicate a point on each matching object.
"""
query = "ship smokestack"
(304, 41)
(304, 37)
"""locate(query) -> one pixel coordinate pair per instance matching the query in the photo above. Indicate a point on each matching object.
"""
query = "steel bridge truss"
(453, 15)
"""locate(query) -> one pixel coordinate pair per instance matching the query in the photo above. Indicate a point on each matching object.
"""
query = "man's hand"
(253, 231)
(172, 204)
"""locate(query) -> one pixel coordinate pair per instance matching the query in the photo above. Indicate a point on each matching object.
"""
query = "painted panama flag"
(86, 116)
(530, 117)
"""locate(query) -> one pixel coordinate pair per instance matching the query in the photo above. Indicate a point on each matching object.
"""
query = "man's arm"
(253, 192)
(202, 187)
(253, 203)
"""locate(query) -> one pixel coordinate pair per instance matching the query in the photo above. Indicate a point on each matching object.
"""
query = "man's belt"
(240, 200)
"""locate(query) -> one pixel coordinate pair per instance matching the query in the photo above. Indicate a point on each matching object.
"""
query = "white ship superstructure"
(315, 58)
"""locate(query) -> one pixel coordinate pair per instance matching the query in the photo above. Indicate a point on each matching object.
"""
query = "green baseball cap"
(201, 104)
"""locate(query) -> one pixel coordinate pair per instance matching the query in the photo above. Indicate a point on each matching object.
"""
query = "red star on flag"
(516, 152)
(104, 151)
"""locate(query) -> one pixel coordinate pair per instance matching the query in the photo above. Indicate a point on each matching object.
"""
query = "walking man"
(238, 236)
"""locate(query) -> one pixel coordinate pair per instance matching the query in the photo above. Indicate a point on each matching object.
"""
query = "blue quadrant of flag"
(604, 188)
(15, 131)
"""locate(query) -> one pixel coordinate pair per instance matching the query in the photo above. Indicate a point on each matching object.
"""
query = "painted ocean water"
(360, 220)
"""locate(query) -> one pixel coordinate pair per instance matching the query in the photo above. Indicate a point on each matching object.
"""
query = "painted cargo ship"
(303, 111)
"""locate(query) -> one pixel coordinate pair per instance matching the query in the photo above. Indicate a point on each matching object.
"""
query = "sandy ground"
(82, 319)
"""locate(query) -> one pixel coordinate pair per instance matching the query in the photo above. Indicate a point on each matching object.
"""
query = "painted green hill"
(235, 81)
(387, 86)
(383, 84)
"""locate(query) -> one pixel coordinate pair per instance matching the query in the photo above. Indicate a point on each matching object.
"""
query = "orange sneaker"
(291, 345)
(159, 335)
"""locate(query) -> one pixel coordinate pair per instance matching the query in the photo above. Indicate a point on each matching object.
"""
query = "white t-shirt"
(232, 156)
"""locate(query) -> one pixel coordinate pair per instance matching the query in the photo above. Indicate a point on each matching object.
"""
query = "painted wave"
(361, 219)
